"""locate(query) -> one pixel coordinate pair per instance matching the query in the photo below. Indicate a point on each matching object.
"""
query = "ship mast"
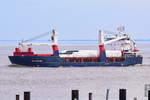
(102, 53)
(54, 43)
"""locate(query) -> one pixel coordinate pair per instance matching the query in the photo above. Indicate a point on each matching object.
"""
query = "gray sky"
(73, 19)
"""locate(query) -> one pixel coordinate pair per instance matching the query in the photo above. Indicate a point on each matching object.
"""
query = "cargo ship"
(127, 55)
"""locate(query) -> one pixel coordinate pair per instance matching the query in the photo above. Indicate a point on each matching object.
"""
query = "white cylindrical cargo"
(93, 53)
(113, 53)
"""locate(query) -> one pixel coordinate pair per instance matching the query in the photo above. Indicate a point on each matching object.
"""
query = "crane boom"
(116, 39)
(37, 37)
(119, 37)
(31, 44)
(53, 38)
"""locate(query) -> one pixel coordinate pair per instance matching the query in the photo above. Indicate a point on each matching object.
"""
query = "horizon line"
(75, 40)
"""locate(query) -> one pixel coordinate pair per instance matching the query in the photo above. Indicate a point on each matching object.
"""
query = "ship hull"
(56, 61)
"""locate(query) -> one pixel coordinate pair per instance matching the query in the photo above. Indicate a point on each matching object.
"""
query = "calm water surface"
(57, 83)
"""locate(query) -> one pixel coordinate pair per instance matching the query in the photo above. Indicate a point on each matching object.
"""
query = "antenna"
(120, 28)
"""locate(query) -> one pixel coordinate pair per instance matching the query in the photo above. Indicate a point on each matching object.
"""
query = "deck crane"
(122, 37)
(25, 43)
(118, 37)
(54, 45)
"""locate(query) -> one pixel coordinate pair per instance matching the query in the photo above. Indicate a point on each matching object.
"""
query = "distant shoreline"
(64, 42)
(138, 40)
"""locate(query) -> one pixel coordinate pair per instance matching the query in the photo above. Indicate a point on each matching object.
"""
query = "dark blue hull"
(56, 61)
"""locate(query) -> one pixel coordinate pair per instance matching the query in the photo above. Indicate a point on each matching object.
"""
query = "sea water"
(56, 83)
